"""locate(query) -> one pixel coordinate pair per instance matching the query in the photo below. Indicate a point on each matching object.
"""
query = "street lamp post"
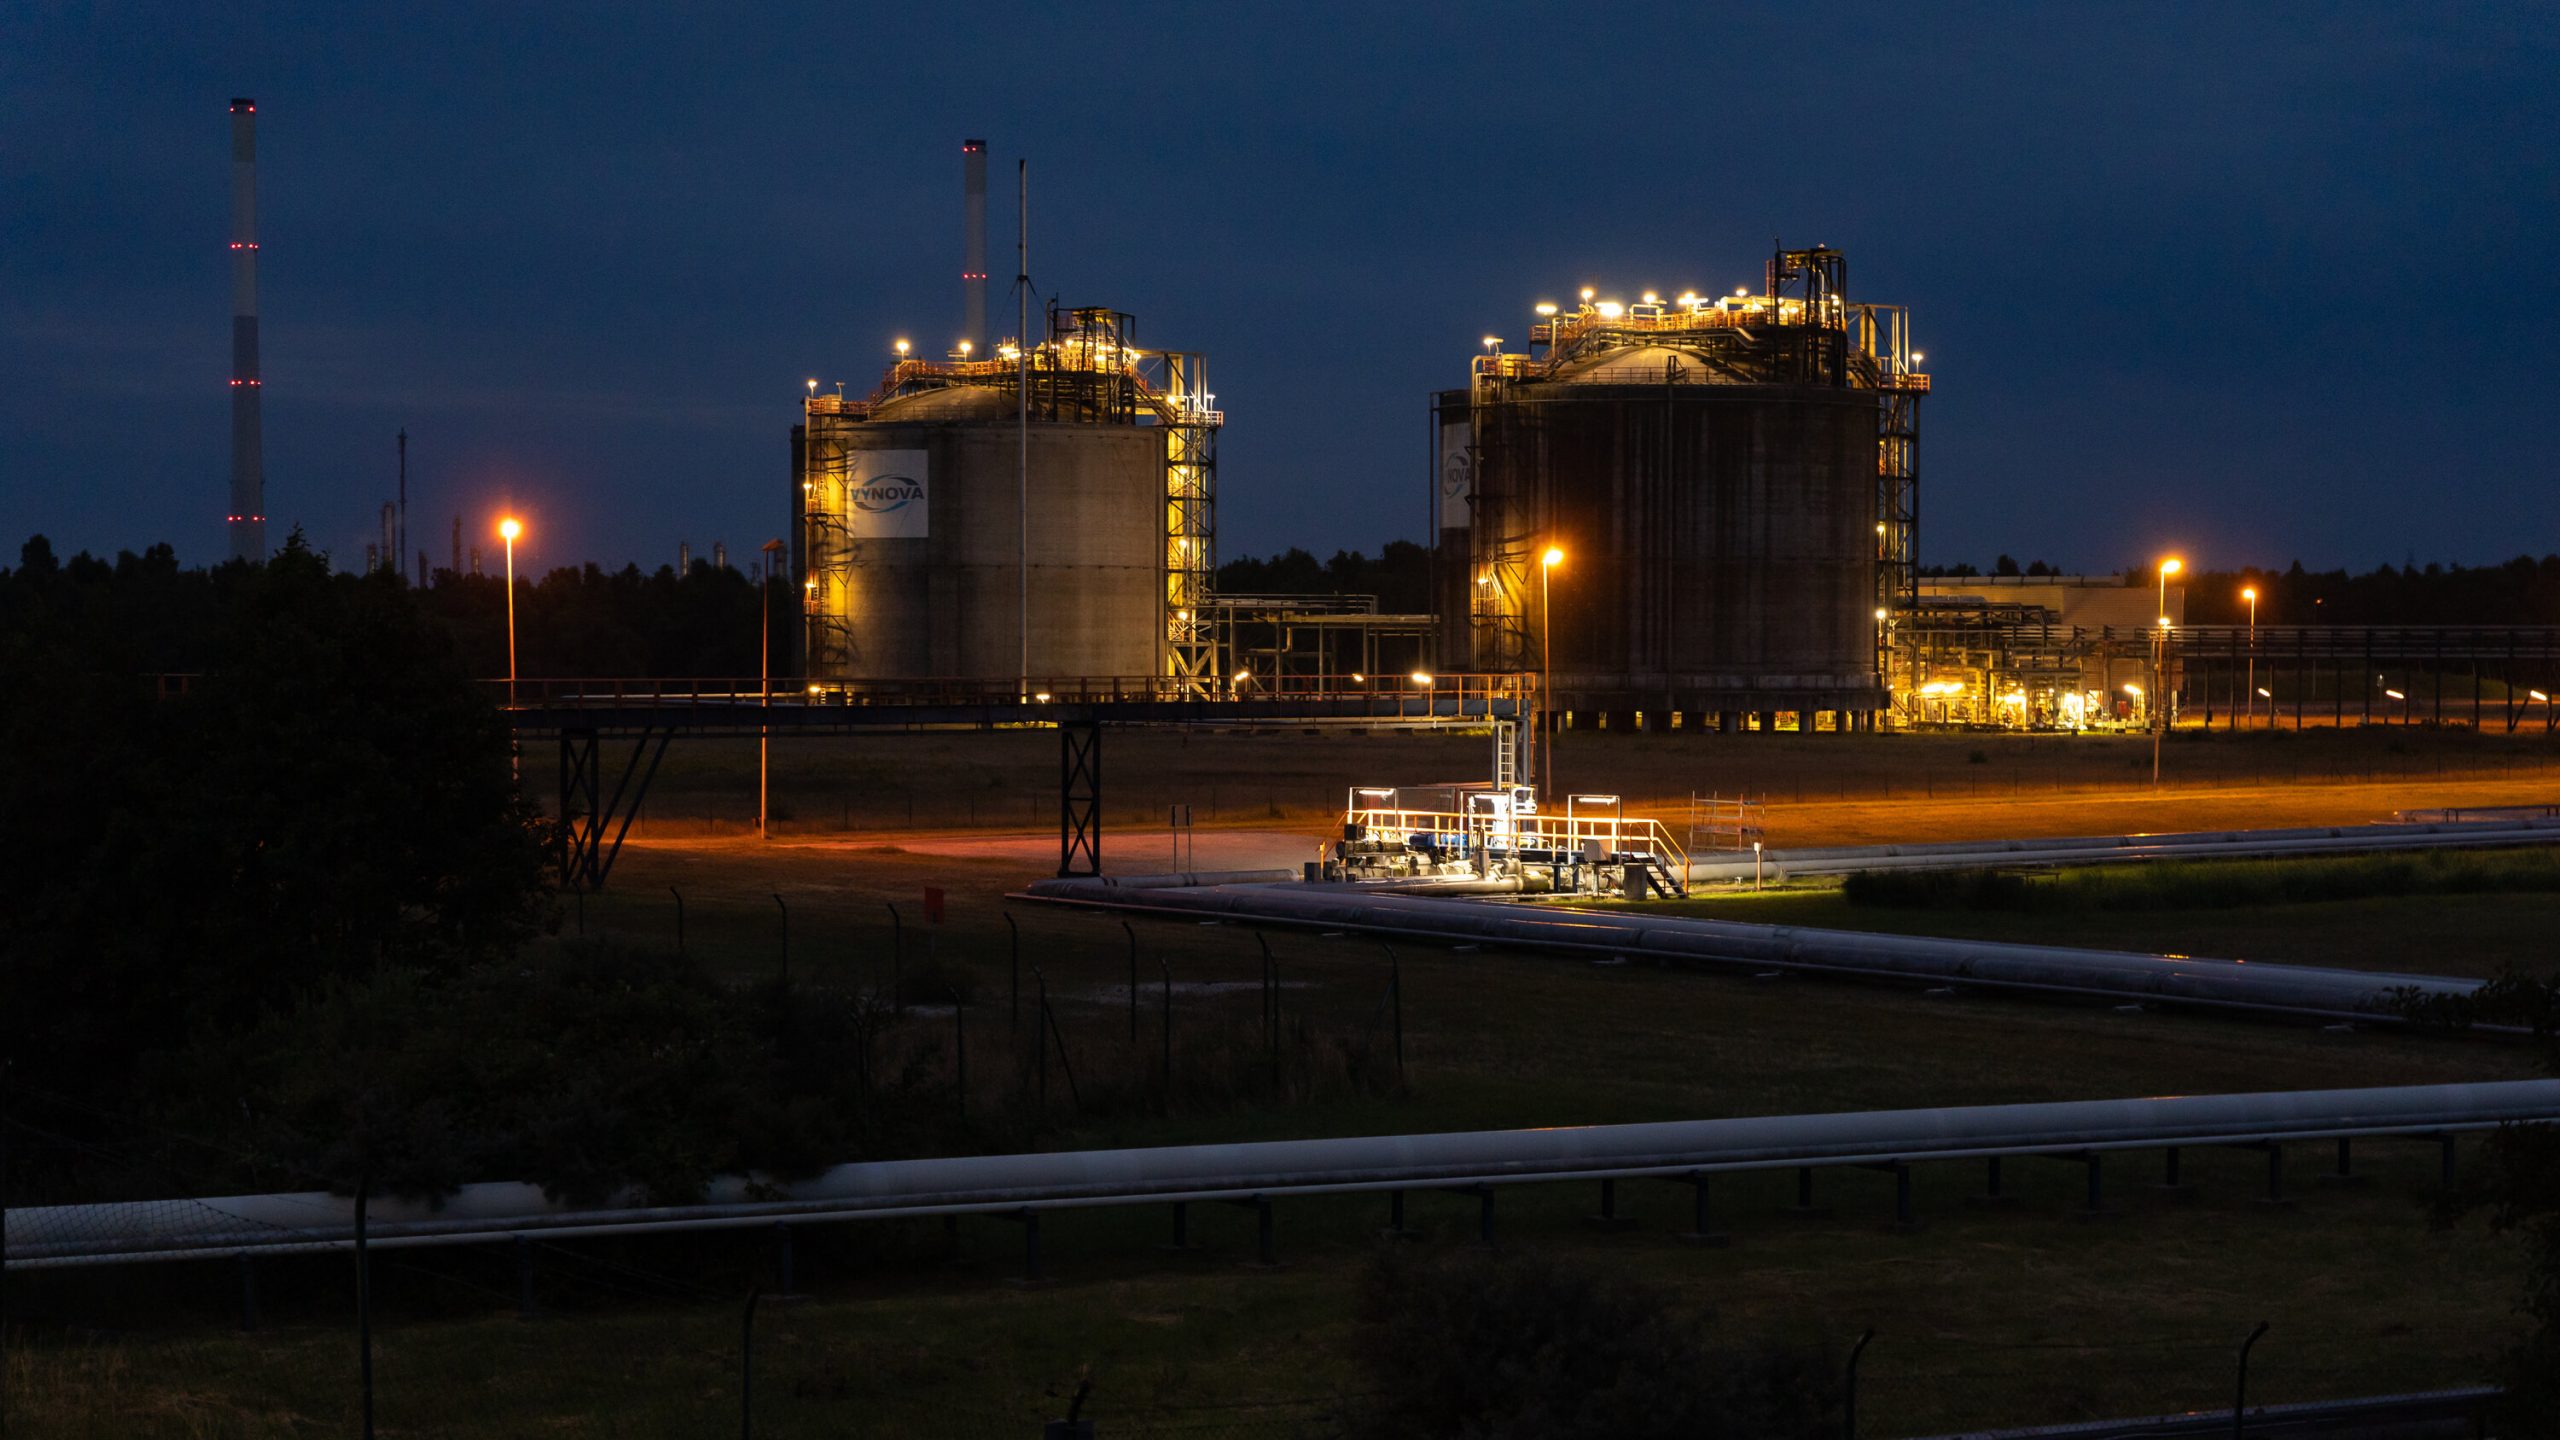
(2160, 691)
(2250, 594)
(1547, 562)
(508, 530)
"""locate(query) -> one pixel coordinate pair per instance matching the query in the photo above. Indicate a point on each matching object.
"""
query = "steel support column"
(1079, 798)
(586, 849)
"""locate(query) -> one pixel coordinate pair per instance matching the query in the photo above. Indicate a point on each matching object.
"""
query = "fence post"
(1395, 1001)
(897, 960)
(248, 1292)
(1849, 1395)
(1270, 1007)
(1040, 1039)
(2240, 1387)
(786, 940)
(1133, 981)
(679, 918)
(747, 1368)
(960, 1052)
(1071, 1428)
(1167, 967)
(1015, 932)
(364, 1307)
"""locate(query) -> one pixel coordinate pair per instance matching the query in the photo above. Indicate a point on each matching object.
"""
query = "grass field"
(1983, 1317)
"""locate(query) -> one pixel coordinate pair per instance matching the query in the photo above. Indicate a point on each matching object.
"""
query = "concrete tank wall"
(947, 604)
(1720, 542)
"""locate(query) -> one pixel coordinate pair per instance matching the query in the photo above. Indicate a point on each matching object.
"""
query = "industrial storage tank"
(918, 562)
(1694, 511)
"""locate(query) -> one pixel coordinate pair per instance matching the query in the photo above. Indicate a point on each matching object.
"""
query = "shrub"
(1477, 1346)
(1940, 889)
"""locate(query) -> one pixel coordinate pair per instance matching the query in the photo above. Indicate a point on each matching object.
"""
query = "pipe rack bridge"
(646, 714)
(1256, 1173)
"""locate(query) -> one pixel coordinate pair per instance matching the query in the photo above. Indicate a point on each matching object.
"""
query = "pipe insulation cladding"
(246, 522)
(132, 1232)
(2298, 991)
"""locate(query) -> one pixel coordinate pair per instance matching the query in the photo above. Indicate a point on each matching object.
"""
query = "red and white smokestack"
(247, 521)
(973, 245)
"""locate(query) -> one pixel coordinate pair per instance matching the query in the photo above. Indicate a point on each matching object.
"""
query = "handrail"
(1504, 832)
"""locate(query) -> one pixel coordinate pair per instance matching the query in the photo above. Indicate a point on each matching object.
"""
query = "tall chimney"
(247, 521)
(973, 245)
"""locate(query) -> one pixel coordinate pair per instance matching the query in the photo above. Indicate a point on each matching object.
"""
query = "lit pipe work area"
(1257, 1172)
(2294, 991)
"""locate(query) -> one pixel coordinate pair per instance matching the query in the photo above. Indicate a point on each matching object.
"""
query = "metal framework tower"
(826, 596)
(246, 523)
(1881, 337)
(1190, 521)
(1507, 526)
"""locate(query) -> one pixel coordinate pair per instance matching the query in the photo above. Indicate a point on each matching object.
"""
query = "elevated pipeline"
(66, 1235)
(2300, 991)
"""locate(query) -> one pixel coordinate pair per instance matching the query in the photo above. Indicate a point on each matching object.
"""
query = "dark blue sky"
(2254, 283)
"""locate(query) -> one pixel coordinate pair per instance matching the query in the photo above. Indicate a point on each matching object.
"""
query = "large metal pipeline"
(179, 1229)
(2306, 991)
(2106, 849)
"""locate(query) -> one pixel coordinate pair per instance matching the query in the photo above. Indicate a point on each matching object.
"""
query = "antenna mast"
(1022, 396)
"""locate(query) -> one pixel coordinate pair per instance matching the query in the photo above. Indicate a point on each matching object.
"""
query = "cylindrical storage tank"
(1718, 539)
(930, 572)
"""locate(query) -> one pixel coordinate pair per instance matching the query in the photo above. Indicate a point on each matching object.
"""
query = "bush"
(587, 1073)
(1483, 1347)
(1940, 889)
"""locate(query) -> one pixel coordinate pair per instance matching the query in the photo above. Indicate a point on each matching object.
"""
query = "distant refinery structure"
(1694, 512)
(245, 524)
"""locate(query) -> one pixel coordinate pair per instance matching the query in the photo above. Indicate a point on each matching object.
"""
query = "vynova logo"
(883, 494)
(888, 496)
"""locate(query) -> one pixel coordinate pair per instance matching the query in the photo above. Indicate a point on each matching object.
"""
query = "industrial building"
(1688, 513)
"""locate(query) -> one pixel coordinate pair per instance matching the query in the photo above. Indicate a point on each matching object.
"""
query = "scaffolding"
(1190, 422)
(827, 547)
(1507, 527)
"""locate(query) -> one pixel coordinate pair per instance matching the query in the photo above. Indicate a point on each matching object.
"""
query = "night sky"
(2250, 283)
